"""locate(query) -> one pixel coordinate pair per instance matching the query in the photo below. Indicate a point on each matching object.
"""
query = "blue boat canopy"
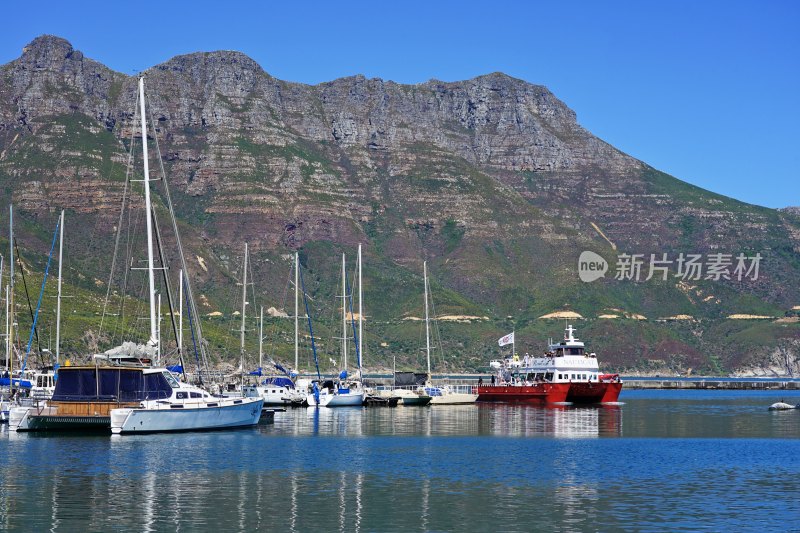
(279, 382)
(24, 383)
(110, 384)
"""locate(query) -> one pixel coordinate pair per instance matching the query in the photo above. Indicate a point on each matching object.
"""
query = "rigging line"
(27, 296)
(310, 330)
(134, 220)
(191, 328)
(162, 259)
(438, 332)
(252, 285)
(274, 333)
(128, 168)
(188, 287)
(41, 295)
(355, 333)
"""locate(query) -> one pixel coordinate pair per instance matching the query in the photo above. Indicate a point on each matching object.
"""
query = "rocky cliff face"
(492, 179)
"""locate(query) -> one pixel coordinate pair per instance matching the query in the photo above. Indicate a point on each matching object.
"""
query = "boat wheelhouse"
(85, 395)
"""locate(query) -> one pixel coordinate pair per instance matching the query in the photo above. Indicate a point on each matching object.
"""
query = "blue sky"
(708, 91)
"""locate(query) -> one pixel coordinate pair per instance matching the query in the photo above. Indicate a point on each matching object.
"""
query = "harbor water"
(677, 460)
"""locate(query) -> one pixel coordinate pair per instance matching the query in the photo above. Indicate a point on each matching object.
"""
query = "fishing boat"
(566, 373)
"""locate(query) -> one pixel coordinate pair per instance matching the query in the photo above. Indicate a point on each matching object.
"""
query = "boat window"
(171, 380)
(156, 386)
(131, 384)
(548, 376)
(559, 352)
(196, 395)
(181, 395)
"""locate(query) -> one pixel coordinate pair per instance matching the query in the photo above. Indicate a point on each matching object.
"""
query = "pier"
(636, 382)
(711, 383)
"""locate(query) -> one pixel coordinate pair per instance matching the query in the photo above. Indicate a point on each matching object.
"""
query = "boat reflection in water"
(558, 421)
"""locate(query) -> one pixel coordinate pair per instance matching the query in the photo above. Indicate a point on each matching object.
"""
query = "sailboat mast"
(296, 312)
(58, 300)
(180, 314)
(427, 319)
(244, 305)
(149, 219)
(344, 315)
(8, 351)
(360, 314)
(10, 298)
(261, 338)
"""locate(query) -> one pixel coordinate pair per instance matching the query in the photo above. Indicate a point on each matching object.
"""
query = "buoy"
(781, 406)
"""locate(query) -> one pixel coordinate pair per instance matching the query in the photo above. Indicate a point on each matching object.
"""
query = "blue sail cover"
(279, 382)
(24, 383)
(175, 369)
(343, 374)
(256, 372)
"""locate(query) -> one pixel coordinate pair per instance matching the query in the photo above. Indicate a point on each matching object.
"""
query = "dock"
(711, 383)
(636, 382)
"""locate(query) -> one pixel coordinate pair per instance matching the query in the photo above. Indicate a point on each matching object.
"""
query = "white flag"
(508, 339)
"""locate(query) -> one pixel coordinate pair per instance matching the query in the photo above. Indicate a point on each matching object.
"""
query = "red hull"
(594, 392)
(544, 393)
(540, 393)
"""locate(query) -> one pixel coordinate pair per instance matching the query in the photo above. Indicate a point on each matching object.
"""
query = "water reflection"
(561, 422)
(676, 460)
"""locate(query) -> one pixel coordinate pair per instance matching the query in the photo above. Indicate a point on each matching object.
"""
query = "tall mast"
(10, 297)
(360, 313)
(427, 325)
(158, 332)
(261, 339)
(244, 304)
(344, 315)
(296, 312)
(58, 300)
(180, 314)
(8, 351)
(149, 219)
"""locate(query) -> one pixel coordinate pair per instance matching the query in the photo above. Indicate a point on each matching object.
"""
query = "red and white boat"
(566, 373)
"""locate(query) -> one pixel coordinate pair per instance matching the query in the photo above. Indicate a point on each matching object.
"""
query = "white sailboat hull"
(274, 395)
(350, 399)
(455, 398)
(448, 396)
(223, 414)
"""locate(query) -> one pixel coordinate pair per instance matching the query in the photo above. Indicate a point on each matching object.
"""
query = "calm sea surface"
(663, 461)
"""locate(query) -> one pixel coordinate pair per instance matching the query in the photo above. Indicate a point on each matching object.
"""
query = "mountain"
(491, 180)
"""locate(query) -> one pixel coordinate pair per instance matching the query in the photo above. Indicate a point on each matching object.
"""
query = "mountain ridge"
(491, 179)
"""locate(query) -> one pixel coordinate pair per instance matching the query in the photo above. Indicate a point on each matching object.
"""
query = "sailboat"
(344, 392)
(440, 395)
(279, 390)
(135, 399)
